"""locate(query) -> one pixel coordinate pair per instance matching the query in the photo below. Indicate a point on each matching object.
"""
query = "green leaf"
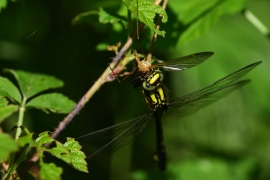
(61, 152)
(104, 17)
(84, 17)
(146, 13)
(3, 4)
(3, 102)
(188, 11)
(6, 110)
(78, 157)
(27, 139)
(7, 146)
(33, 83)
(54, 102)
(50, 171)
(43, 139)
(201, 26)
(7, 89)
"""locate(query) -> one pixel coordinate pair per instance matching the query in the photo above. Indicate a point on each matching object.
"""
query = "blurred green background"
(229, 139)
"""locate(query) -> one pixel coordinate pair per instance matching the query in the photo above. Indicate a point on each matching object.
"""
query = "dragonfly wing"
(109, 132)
(192, 102)
(121, 139)
(184, 62)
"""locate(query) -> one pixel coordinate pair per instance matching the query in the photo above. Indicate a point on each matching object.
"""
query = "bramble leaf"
(50, 171)
(34, 83)
(105, 17)
(202, 24)
(78, 157)
(7, 146)
(43, 138)
(9, 90)
(53, 102)
(146, 13)
(5, 109)
(61, 152)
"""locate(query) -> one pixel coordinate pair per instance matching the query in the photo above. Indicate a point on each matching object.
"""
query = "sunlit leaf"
(78, 157)
(7, 146)
(201, 26)
(146, 13)
(105, 17)
(3, 4)
(188, 11)
(53, 102)
(43, 139)
(50, 171)
(61, 152)
(8, 89)
(3, 101)
(33, 83)
(6, 110)
(27, 139)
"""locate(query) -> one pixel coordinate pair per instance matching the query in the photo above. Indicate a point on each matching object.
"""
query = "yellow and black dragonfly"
(150, 76)
(121, 134)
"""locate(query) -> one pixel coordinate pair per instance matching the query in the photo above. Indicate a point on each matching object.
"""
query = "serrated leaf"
(27, 139)
(3, 4)
(33, 83)
(105, 17)
(43, 138)
(7, 146)
(198, 28)
(61, 152)
(3, 101)
(146, 13)
(78, 157)
(53, 102)
(84, 17)
(50, 171)
(9, 90)
(6, 110)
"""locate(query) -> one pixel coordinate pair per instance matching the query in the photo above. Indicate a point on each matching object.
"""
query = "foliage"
(31, 84)
(68, 152)
(217, 142)
(3, 4)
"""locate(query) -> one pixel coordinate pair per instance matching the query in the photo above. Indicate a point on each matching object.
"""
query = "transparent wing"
(194, 101)
(184, 62)
(121, 135)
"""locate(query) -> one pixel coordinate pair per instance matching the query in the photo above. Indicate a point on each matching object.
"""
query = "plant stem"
(20, 119)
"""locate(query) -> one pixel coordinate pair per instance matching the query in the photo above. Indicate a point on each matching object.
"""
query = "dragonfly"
(150, 76)
(121, 134)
